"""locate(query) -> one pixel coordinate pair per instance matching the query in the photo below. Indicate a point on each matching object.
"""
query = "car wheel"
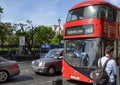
(51, 71)
(3, 76)
(37, 73)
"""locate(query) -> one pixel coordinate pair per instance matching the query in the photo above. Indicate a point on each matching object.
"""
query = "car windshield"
(44, 50)
(3, 59)
(52, 54)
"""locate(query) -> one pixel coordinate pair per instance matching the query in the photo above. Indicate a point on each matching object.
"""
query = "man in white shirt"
(111, 67)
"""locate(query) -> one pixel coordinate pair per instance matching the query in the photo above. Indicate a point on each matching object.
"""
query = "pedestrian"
(9, 54)
(17, 54)
(111, 67)
(29, 52)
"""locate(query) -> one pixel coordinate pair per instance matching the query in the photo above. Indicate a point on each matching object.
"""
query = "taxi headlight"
(33, 62)
(41, 64)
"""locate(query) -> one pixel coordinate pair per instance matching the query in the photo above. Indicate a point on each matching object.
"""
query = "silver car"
(51, 63)
(8, 69)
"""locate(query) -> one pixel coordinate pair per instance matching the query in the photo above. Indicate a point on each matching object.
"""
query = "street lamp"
(59, 25)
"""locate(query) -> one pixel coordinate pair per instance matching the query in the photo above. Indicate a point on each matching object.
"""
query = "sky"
(40, 12)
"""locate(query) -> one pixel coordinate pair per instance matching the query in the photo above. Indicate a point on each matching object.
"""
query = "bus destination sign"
(87, 29)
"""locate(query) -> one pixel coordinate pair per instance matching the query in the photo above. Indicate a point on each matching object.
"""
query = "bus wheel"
(51, 70)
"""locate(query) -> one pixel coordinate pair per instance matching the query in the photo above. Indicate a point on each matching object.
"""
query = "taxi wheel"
(51, 70)
(3, 76)
(37, 73)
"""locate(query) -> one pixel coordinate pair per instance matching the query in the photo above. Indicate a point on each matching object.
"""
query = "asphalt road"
(28, 77)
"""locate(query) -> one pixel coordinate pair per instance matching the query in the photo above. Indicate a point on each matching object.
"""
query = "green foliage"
(3, 32)
(34, 36)
(43, 34)
(37, 36)
(1, 10)
(56, 39)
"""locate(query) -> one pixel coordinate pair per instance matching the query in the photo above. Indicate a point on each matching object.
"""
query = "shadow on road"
(56, 74)
(19, 78)
(73, 82)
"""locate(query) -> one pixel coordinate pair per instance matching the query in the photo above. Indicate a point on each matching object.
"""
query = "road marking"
(26, 71)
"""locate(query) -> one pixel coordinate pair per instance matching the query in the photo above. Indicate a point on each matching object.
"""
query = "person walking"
(9, 54)
(111, 67)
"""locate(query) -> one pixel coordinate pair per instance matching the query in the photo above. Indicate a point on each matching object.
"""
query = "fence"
(5, 48)
(25, 54)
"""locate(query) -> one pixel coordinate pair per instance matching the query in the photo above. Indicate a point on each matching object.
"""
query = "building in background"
(57, 28)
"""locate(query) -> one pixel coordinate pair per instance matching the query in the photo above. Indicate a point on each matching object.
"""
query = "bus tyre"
(51, 70)
(3, 76)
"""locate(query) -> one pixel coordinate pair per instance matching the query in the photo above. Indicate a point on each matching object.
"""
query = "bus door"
(107, 43)
(116, 52)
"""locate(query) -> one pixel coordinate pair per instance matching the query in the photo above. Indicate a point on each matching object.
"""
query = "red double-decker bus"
(90, 27)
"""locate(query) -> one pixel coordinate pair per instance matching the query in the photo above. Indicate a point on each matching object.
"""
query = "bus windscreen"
(83, 13)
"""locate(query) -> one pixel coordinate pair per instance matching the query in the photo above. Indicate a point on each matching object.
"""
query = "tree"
(34, 35)
(1, 10)
(3, 35)
(22, 29)
(3, 31)
(57, 39)
(43, 34)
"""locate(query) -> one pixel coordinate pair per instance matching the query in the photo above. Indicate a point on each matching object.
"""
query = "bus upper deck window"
(114, 15)
(110, 14)
(102, 12)
(75, 14)
(90, 12)
(68, 17)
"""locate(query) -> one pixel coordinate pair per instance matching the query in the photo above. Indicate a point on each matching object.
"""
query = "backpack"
(99, 75)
